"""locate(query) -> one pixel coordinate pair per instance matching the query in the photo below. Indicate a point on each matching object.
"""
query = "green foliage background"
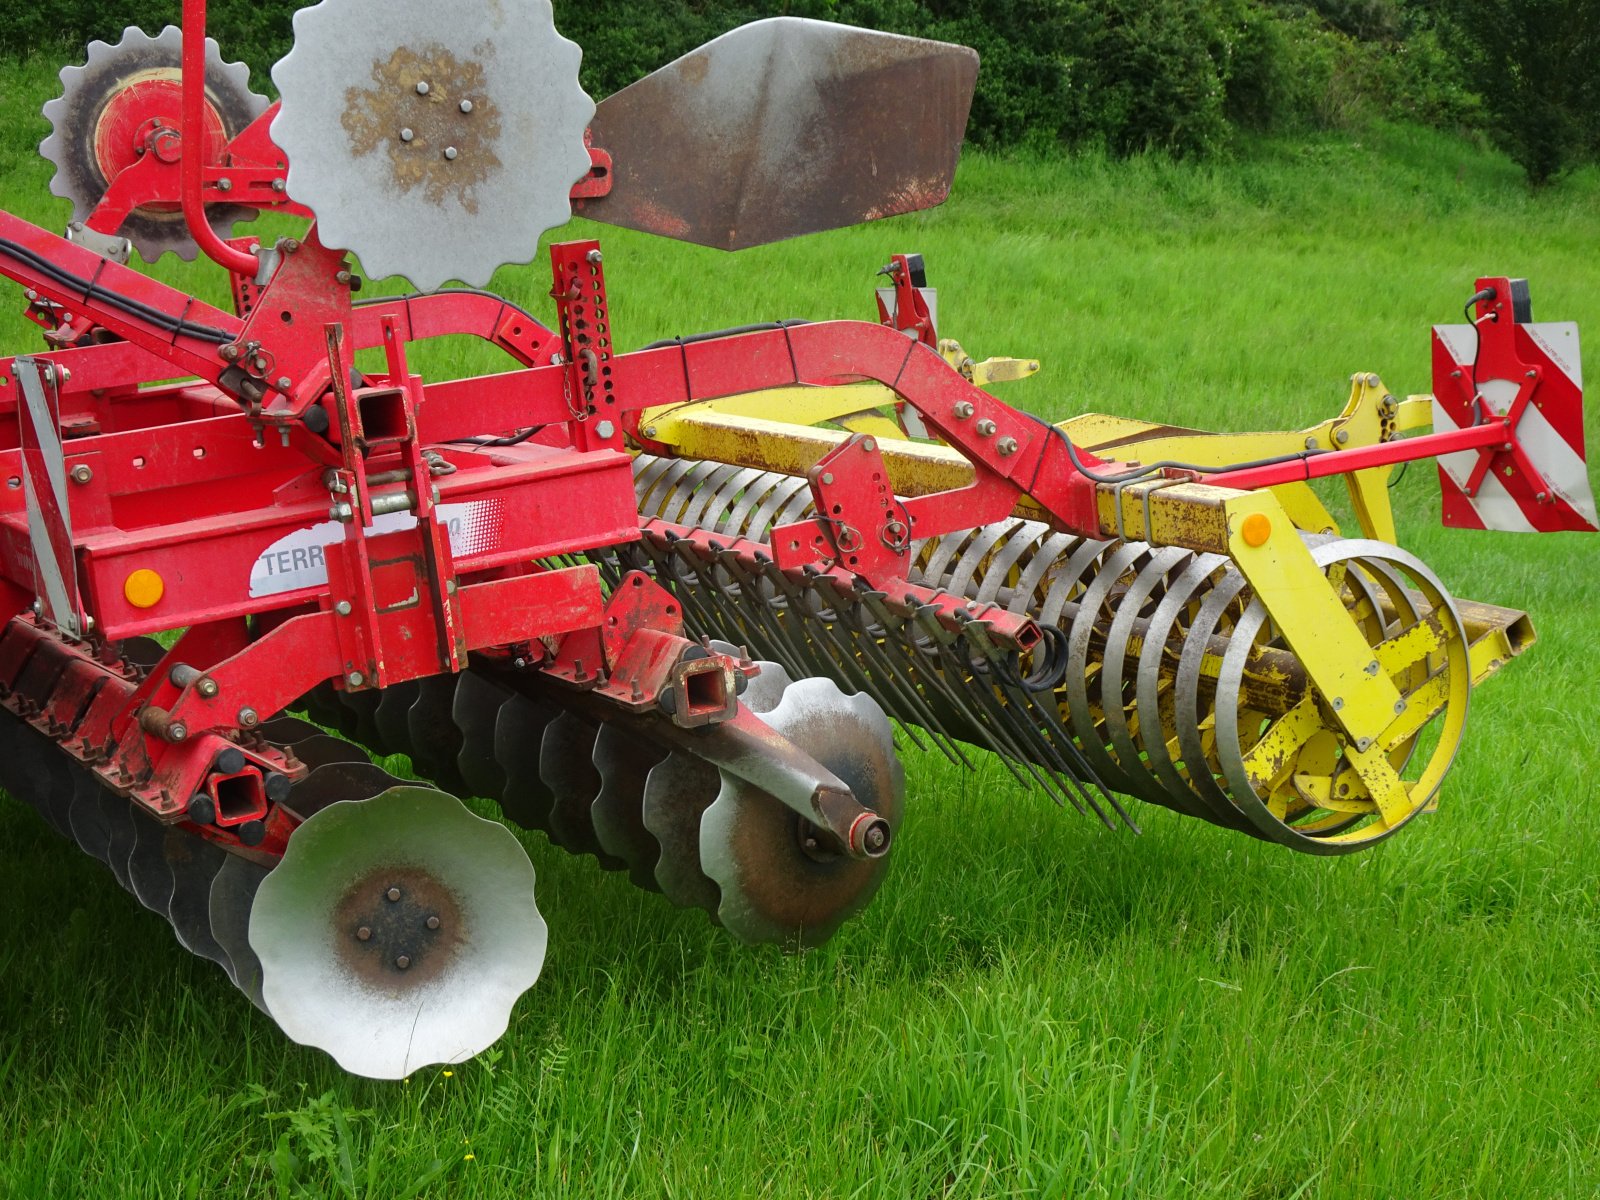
(1188, 77)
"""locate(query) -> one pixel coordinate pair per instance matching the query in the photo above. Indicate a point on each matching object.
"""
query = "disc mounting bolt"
(406, 134)
(364, 934)
(450, 153)
(403, 961)
(433, 922)
(465, 106)
(423, 89)
(392, 895)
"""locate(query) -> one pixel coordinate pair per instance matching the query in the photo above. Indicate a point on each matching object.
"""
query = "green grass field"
(1033, 1006)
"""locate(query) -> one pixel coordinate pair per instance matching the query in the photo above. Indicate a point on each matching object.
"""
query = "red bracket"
(864, 528)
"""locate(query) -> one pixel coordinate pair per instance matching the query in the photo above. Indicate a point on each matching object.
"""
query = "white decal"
(297, 560)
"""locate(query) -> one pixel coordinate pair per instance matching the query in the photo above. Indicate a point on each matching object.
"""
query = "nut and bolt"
(1342, 436)
(827, 477)
(82, 473)
(403, 961)
(450, 153)
(1006, 446)
(207, 687)
(606, 429)
(433, 922)
(342, 608)
(177, 732)
(278, 185)
(364, 934)
(224, 185)
(284, 383)
(465, 106)
(423, 89)
(1311, 443)
(407, 134)
(355, 679)
(962, 410)
(392, 895)
(344, 277)
(248, 718)
(986, 428)
(594, 258)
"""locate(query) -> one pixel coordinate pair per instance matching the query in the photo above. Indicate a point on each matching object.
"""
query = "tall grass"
(1033, 1006)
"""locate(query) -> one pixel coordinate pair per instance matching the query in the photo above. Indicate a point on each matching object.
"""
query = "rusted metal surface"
(781, 128)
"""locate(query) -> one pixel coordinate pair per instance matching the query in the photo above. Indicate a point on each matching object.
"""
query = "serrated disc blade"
(624, 761)
(90, 828)
(435, 740)
(337, 781)
(784, 127)
(194, 863)
(120, 821)
(233, 892)
(777, 884)
(286, 731)
(518, 742)
(324, 748)
(391, 717)
(475, 712)
(435, 141)
(147, 864)
(361, 716)
(677, 791)
(397, 932)
(566, 767)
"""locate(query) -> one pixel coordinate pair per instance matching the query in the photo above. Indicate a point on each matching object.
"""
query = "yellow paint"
(144, 588)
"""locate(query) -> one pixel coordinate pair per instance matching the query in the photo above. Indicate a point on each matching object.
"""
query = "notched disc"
(435, 141)
(397, 932)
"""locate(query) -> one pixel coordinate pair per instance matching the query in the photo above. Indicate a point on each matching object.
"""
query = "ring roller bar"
(1160, 675)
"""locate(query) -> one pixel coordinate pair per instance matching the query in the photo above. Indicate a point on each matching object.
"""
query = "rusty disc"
(778, 883)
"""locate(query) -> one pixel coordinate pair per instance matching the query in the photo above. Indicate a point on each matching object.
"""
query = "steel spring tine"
(788, 625)
(391, 720)
(672, 491)
(945, 551)
(996, 738)
(1158, 637)
(647, 469)
(761, 621)
(917, 708)
(683, 553)
(867, 669)
(977, 633)
(1029, 536)
(120, 822)
(688, 487)
(475, 711)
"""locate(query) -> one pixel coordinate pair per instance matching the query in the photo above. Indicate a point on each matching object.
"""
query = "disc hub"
(403, 927)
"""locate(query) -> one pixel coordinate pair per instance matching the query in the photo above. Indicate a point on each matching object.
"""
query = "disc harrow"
(216, 518)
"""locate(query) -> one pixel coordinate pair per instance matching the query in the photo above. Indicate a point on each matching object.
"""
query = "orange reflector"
(144, 588)
(1257, 528)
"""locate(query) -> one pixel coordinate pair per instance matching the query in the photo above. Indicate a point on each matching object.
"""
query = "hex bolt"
(962, 410)
(177, 732)
(355, 679)
(433, 922)
(284, 383)
(869, 446)
(1342, 436)
(364, 934)
(392, 895)
(827, 478)
(406, 134)
(82, 473)
(465, 106)
(278, 185)
(342, 608)
(423, 89)
(450, 153)
(986, 428)
(207, 687)
(606, 429)
(1311, 443)
(403, 961)
(248, 718)
(594, 258)
(1006, 446)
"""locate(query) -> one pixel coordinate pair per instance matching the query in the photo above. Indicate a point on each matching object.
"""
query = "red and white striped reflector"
(1549, 434)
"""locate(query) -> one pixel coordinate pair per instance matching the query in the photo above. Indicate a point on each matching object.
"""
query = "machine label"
(296, 561)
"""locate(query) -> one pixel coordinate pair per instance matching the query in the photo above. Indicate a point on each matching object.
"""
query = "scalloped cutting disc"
(105, 107)
(434, 141)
